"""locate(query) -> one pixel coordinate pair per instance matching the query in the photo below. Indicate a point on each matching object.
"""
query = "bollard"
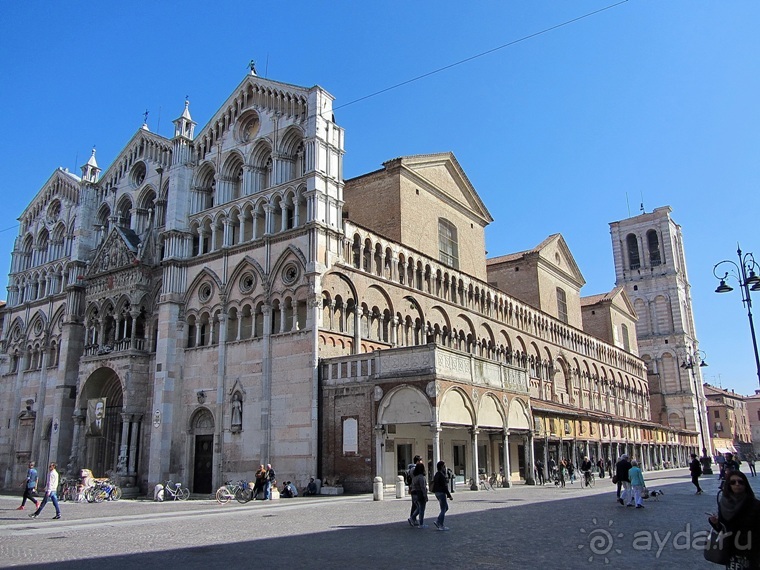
(400, 487)
(377, 489)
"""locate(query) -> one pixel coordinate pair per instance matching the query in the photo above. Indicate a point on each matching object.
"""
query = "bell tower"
(650, 263)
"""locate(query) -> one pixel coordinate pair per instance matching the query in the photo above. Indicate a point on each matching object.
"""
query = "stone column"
(506, 466)
(77, 448)
(121, 464)
(40, 418)
(435, 427)
(379, 449)
(476, 475)
(134, 434)
(529, 459)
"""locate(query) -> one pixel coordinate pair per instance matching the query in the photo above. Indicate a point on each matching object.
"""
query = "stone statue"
(237, 413)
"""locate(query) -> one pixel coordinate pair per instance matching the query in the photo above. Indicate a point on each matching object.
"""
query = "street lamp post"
(744, 273)
(697, 358)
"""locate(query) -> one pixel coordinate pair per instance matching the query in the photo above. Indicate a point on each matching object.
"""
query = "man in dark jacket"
(621, 472)
(695, 468)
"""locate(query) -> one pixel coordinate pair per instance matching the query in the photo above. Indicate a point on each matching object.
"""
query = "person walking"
(695, 468)
(751, 464)
(441, 491)
(600, 466)
(623, 482)
(636, 478)
(419, 485)
(51, 493)
(30, 486)
(739, 515)
(409, 478)
(552, 468)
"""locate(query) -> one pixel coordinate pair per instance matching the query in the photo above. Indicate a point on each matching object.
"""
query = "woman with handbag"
(735, 541)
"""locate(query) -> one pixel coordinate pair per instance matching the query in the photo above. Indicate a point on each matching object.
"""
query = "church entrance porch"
(431, 401)
(106, 439)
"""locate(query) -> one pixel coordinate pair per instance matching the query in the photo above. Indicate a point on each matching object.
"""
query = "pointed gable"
(143, 146)
(611, 317)
(441, 175)
(546, 277)
(119, 250)
(554, 251)
(426, 200)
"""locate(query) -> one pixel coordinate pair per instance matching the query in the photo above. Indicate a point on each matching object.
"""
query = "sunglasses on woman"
(736, 482)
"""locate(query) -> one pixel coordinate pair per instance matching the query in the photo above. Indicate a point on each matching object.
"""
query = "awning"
(725, 449)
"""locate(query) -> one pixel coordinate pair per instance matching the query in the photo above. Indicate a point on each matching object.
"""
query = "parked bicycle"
(176, 491)
(70, 490)
(245, 493)
(102, 490)
(229, 491)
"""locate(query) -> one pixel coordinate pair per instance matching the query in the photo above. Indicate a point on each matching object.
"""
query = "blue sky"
(563, 132)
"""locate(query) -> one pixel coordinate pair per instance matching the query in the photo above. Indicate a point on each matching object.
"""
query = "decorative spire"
(91, 171)
(186, 112)
(92, 162)
(184, 126)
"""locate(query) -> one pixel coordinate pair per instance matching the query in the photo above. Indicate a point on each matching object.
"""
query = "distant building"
(729, 421)
(753, 414)
(651, 265)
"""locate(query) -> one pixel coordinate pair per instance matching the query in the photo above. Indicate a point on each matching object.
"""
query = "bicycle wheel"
(592, 481)
(115, 493)
(98, 495)
(183, 494)
(223, 495)
(242, 496)
(89, 494)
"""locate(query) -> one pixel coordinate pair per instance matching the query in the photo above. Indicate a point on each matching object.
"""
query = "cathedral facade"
(224, 298)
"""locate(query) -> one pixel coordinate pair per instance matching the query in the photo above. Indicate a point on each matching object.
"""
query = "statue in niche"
(236, 423)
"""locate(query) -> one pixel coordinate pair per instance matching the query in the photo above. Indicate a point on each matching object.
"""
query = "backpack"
(408, 477)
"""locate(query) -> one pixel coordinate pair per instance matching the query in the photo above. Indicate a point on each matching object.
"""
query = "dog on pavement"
(656, 494)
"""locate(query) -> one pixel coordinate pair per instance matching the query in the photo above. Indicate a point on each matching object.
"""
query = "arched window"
(561, 305)
(626, 338)
(634, 261)
(655, 258)
(448, 246)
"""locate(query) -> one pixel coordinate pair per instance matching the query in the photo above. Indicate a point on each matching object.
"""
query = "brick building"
(729, 421)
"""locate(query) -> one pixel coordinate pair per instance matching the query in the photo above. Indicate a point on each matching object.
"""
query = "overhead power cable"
(476, 56)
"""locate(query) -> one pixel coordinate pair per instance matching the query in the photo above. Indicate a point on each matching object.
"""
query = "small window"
(655, 258)
(626, 339)
(634, 261)
(717, 413)
(561, 305)
(448, 247)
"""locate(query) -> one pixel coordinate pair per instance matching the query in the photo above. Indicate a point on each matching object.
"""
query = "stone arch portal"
(101, 404)
(202, 434)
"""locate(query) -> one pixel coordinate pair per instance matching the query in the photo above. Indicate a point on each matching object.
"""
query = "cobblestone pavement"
(521, 527)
